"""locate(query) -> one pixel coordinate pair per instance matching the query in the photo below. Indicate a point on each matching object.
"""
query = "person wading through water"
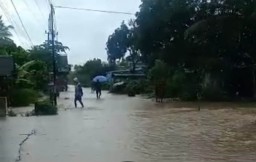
(78, 93)
(98, 89)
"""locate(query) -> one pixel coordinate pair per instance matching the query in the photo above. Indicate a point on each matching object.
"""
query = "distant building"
(138, 65)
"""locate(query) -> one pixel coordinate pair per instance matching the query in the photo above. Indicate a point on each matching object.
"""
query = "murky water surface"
(118, 128)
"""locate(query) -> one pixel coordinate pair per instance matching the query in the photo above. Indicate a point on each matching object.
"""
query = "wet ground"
(118, 128)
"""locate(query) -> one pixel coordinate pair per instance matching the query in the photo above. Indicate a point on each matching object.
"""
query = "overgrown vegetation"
(208, 47)
(89, 70)
(45, 108)
(32, 67)
(23, 97)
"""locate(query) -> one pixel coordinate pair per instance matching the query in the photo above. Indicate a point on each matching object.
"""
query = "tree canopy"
(85, 73)
(204, 38)
(117, 43)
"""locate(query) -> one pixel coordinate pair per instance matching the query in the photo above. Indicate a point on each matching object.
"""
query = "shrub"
(175, 84)
(105, 86)
(131, 93)
(160, 71)
(213, 94)
(45, 108)
(130, 88)
(118, 89)
(23, 97)
(24, 83)
(12, 114)
(138, 86)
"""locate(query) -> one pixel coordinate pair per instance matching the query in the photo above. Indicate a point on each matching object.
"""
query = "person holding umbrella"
(97, 84)
(98, 89)
(78, 93)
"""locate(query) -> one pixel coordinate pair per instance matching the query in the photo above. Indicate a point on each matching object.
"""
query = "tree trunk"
(133, 65)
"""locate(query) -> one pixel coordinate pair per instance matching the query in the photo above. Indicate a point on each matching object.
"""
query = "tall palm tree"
(5, 33)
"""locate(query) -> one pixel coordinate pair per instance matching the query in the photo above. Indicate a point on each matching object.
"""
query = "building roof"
(130, 75)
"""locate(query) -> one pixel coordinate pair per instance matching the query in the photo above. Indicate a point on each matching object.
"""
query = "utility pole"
(52, 33)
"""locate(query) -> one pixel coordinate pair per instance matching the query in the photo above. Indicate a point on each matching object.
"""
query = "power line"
(29, 8)
(48, 4)
(12, 22)
(93, 10)
(8, 18)
(39, 8)
(37, 18)
(23, 26)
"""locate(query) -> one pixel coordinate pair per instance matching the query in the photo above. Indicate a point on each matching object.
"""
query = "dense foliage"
(89, 70)
(208, 45)
(32, 67)
(45, 108)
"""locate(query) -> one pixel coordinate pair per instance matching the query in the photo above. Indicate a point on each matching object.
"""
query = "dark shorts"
(98, 90)
(79, 98)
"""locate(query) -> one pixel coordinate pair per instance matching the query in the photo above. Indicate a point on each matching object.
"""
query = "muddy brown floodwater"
(118, 128)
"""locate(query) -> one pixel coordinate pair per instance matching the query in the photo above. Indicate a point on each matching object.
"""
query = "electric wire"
(22, 24)
(94, 10)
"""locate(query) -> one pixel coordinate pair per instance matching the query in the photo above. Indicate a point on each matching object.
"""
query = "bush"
(131, 93)
(24, 83)
(105, 86)
(23, 97)
(12, 114)
(160, 71)
(45, 108)
(138, 86)
(132, 86)
(213, 94)
(119, 89)
(175, 84)
(130, 89)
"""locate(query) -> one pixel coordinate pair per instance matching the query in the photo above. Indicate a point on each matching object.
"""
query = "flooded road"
(118, 128)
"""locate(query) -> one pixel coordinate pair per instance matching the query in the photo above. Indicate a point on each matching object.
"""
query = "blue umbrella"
(100, 78)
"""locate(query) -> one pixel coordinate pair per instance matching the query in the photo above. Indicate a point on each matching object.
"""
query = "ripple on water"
(184, 134)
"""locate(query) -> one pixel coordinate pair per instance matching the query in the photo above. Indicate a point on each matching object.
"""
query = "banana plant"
(32, 74)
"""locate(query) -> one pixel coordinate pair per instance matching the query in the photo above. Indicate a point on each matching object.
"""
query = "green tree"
(90, 69)
(161, 26)
(134, 53)
(33, 73)
(203, 39)
(43, 52)
(123, 40)
(5, 34)
(227, 34)
(59, 47)
(117, 43)
(159, 72)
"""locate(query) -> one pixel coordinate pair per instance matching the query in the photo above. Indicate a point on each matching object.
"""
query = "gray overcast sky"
(84, 32)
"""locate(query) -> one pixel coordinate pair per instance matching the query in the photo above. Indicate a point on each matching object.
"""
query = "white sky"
(85, 33)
